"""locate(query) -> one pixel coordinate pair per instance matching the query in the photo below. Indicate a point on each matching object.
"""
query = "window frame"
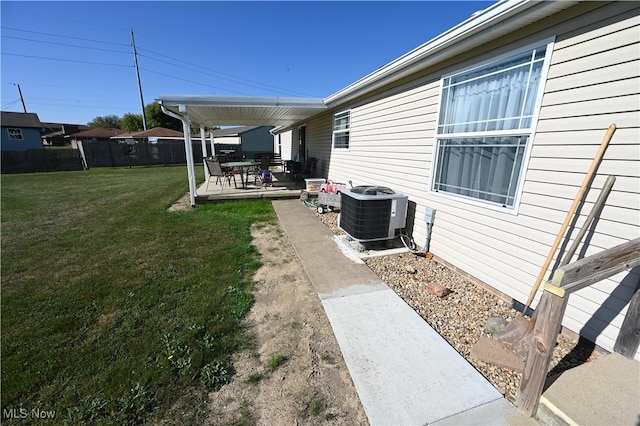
(529, 131)
(15, 129)
(346, 131)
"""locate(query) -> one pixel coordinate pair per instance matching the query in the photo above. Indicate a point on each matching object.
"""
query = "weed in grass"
(255, 378)
(240, 301)
(276, 361)
(312, 407)
(214, 376)
(289, 278)
(134, 407)
(330, 416)
(328, 358)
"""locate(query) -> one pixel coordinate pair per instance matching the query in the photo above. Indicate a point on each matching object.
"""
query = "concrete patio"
(283, 188)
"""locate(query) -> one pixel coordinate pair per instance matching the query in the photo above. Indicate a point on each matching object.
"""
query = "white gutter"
(231, 101)
(186, 127)
(493, 21)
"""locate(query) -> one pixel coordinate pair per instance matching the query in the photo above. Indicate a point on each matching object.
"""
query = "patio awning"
(210, 111)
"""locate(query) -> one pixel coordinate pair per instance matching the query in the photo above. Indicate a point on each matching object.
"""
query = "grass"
(275, 361)
(313, 406)
(114, 309)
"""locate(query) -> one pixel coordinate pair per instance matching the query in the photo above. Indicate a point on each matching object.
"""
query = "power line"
(191, 81)
(65, 44)
(233, 79)
(10, 104)
(66, 60)
(82, 106)
(216, 74)
(229, 76)
(62, 36)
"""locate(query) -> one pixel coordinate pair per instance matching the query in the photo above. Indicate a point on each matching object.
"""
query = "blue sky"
(74, 60)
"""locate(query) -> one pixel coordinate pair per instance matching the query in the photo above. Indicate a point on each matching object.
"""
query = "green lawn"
(115, 310)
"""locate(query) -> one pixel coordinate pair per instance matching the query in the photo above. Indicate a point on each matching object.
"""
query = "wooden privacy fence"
(41, 160)
(566, 280)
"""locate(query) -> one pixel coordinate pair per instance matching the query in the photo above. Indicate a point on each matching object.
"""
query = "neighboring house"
(55, 133)
(156, 134)
(93, 135)
(494, 124)
(252, 139)
(20, 131)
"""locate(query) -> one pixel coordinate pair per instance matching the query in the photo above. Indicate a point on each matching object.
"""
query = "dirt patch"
(183, 203)
(296, 373)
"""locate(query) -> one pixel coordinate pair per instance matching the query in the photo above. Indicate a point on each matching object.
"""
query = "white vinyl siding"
(592, 81)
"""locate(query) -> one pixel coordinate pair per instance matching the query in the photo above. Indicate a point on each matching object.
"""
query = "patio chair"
(215, 170)
(309, 168)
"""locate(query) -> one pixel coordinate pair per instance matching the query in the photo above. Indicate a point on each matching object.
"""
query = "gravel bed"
(461, 316)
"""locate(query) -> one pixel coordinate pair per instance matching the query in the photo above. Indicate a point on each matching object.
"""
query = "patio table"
(242, 165)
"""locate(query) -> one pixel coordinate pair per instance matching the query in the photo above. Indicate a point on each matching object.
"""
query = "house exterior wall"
(286, 146)
(30, 140)
(593, 81)
(257, 140)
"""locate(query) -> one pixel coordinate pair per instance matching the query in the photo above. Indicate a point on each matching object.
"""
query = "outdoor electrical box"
(429, 215)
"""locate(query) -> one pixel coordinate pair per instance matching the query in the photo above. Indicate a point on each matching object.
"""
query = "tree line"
(133, 122)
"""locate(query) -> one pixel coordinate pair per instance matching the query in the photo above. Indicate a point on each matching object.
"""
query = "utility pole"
(135, 61)
(21, 98)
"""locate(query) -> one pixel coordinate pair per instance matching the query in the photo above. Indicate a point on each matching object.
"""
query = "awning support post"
(186, 127)
(203, 143)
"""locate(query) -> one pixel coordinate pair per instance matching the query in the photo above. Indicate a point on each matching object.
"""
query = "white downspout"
(213, 147)
(203, 143)
(186, 127)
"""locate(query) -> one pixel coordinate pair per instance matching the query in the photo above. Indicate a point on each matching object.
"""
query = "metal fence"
(115, 154)
(41, 160)
(106, 154)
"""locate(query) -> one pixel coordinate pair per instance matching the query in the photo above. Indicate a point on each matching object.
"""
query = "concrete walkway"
(404, 372)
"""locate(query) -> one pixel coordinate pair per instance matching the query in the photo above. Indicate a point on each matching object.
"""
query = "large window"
(15, 134)
(485, 124)
(341, 125)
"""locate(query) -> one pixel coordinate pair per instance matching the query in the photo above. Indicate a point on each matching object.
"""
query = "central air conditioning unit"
(372, 213)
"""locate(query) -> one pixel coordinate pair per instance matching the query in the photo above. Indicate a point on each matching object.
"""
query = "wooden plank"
(548, 317)
(493, 351)
(629, 338)
(589, 270)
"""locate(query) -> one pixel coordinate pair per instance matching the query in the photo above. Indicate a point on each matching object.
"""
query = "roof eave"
(491, 23)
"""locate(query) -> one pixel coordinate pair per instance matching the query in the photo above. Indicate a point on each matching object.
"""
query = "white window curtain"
(502, 100)
(475, 158)
(485, 169)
